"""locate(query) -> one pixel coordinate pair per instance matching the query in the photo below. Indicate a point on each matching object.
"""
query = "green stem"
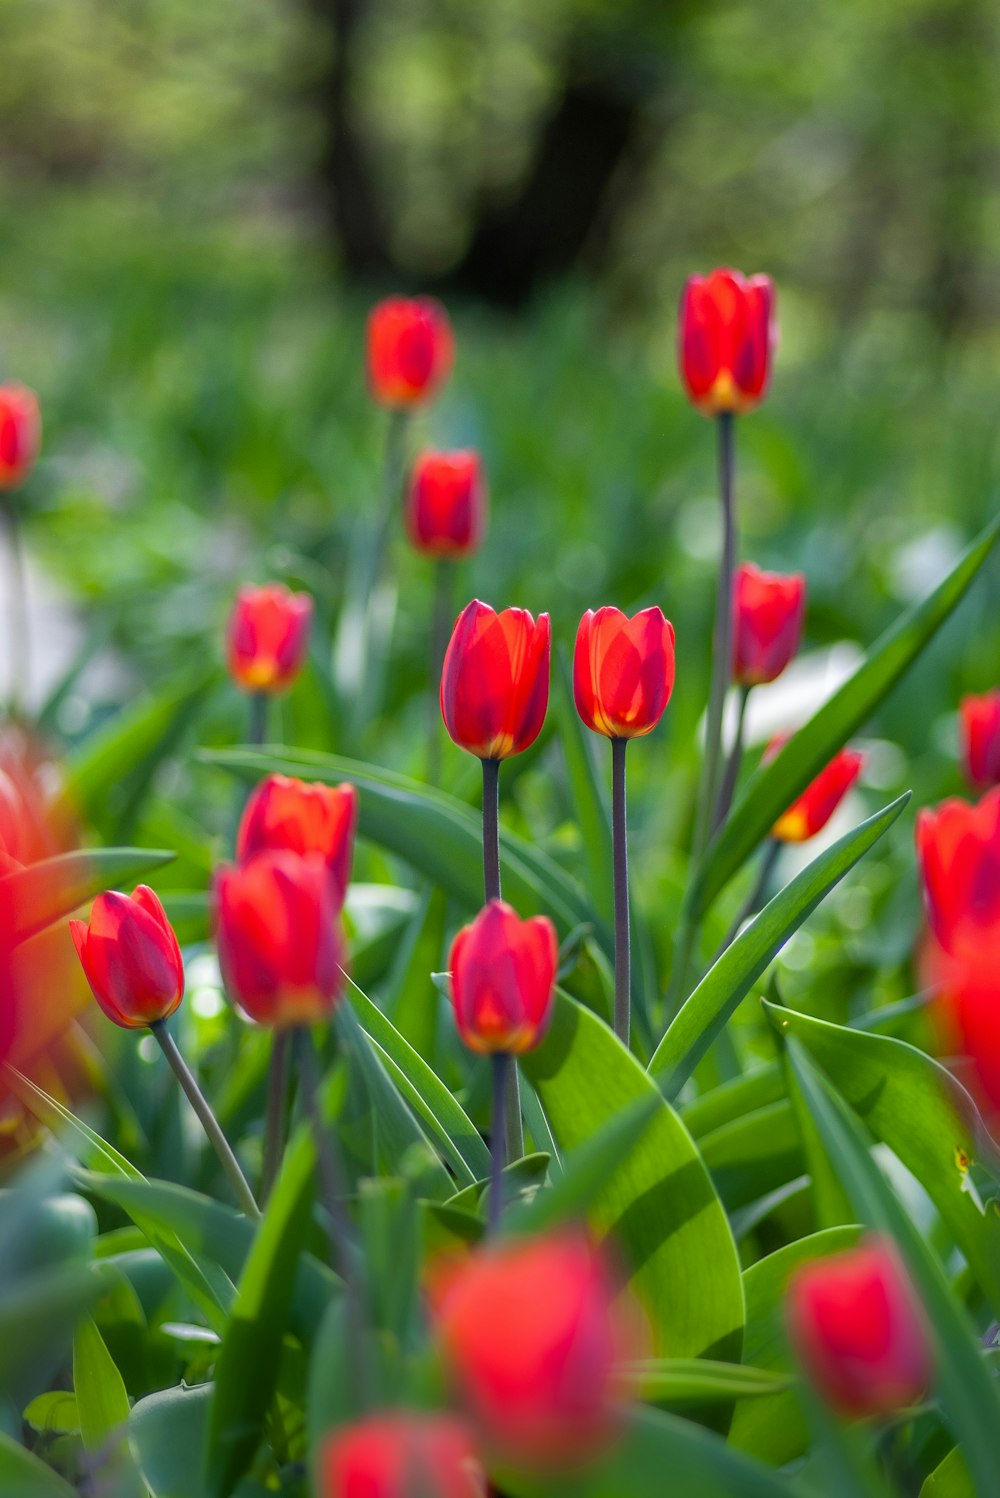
(503, 1065)
(257, 725)
(491, 885)
(441, 616)
(274, 1127)
(733, 763)
(722, 638)
(623, 953)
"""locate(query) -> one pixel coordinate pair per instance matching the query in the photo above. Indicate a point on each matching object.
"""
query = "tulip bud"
(767, 623)
(284, 813)
(979, 718)
(268, 637)
(958, 849)
(623, 671)
(820, 799)
(495, 681)
(281, 949)
(410, 350)
(131, 958)
(726, 337)
(859, 1330)
(20, 434)
(446, 503)
(401, 1455)
(503, 972)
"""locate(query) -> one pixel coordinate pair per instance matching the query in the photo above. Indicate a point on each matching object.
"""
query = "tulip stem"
(257, 726)
(772, 848)
(503, 1065)
(733, 763)
(623, 953)
(491, 881)
(722, 638)
(18, 618)
(206, 1118)
(441, 615)
(274, 1126)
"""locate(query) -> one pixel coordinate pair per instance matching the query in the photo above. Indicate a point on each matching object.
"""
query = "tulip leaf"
(699, 1380)
(37, 1314)
(45, 892)
(168, 1432)
(23, 1475)
(753, 1155)
(103, 1405)
(410, 999)
(950, 1478)
(723, 987)
(659, 1203)
(774, 786)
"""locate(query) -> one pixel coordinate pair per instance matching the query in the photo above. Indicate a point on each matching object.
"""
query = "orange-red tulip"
(979, 718)
(623, 671)
(958, 848)
(726, 337)
(131, 958)
(20, 433)
(859, 1330)
(268, 637)
(410, 350)
(401, 1455)
(495, 681)
(767, 623)
(503, 972)
(446, 504)
(303, 818)
(820, 799)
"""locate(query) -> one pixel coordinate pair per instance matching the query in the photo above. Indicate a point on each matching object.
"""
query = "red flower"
(20, 434)
(968, 1019)
(280, 944)
(268, 637)
(131, 958)
(495, 681)
(980, 730)
(532, 1336)
(958, 848)
(302, 818)
(859, 1330)
(400, 1455)
(767, 623)
(446, 504)
(410, 350)
(726, 337)
(623, 671)
(820, 799)
(503, 972)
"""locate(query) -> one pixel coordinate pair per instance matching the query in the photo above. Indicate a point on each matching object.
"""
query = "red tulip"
(446, 504)
(859, 1330)
(503, 972)
(410, 350)
(401, 1455)
(302, 818)
(532, 1337)
(131, 958)
(623, 671)
(767, 623)
(20, 434)
(268, 637)
(280, 944)
(980, 731)
(726, 337)
(820, 799)
(495, 681)
(958, 848)
(968, 1018)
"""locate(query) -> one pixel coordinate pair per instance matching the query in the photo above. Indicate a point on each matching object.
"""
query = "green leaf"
(53, 1414)
(411, 1001)
(774, 786)
(168, 1433)
(703, 1015)
(45, 892)
(24, 1476)
(37, 1315)
(950, 1479)
(754, 1155)
(103, 1406)
(701, 1381)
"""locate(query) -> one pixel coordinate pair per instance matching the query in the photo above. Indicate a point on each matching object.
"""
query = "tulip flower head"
(726, 337)
(302, 818)
(281, 949)
(768, 609)
(958, 850)
(130, 955)
(495, 680)
(503, 973)
(979, 719)
(812, 810)
(859, 1330)
(20, 434)
(623, 671)
(446, 504)
(410, 351)
(268, 637)
(401, 1455)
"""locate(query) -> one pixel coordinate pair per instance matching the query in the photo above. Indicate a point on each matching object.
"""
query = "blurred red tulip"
(623, 671)
(131, 958)
(20, 434)
(503, 972)
(302, 818)
(281, 949)
(820, 799)
(859, 1330)
(726, 336)
(958, 849)
(767, 623)
(495, 681)
(446, 504)
(979, 718)
(268, 637)
(401, 1455)
(410, 350)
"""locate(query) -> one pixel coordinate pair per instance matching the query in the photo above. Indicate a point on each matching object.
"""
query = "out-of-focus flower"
(446, 504)
(401, 1455)
(623, 671)
(495, 680)
(726, 337)
(302, 818)
(410, 350)
(767, 623)
(859, 1330)
(979, 718)
(820, 799)
(131, 958)
(958, 848)
(503, 973)
(268, 637)
(280, 943)
(20, 434)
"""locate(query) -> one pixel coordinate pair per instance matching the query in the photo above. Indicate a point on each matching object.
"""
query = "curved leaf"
(24, 1476)
(45, 892)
